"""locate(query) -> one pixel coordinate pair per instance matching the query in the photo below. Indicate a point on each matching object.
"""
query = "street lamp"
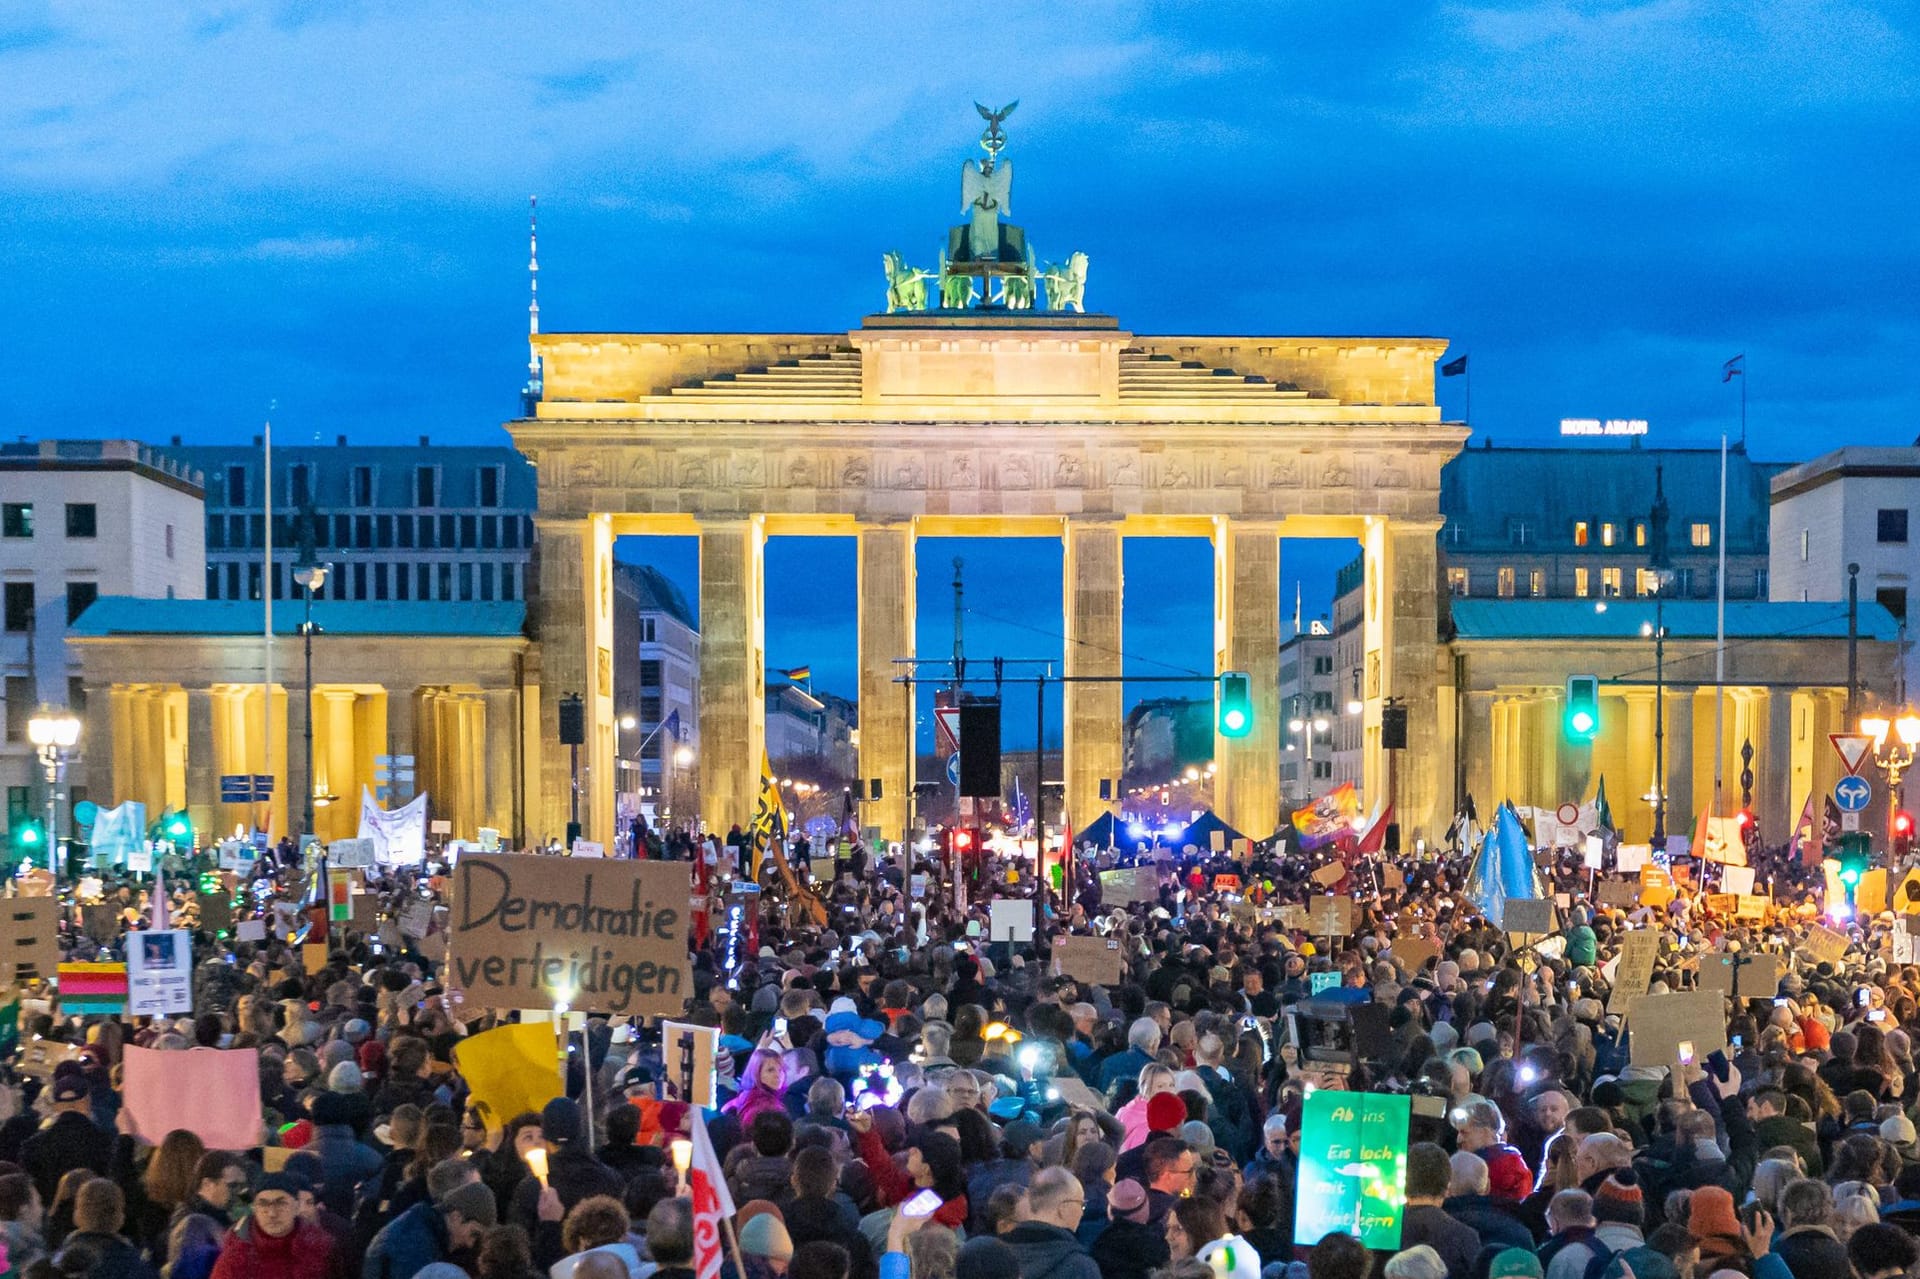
(312, 578)
(1319, 724)
(55, 732)
(1894, 757)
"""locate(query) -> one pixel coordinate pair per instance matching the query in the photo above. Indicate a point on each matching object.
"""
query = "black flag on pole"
(1454, 368)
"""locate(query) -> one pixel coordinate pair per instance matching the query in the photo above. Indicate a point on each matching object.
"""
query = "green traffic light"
(1850, 876)
(1236, 704)
(1234, 720)
(1582, 722)
(29, 834)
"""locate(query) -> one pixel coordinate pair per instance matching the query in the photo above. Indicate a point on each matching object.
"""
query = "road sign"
(246, 788)
(953, 769)
(1849, 821)
(1852, 749)
(1568, 814)
(946, 730)
(1852, 794)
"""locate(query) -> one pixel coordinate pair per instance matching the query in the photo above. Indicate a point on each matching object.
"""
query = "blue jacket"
(1126, 1065)
(345, 1162)
(407, 1245)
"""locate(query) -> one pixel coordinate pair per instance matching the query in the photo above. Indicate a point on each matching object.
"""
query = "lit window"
(1579, 532)
(1700, 534)
(1606, 535)
(1456, 581)
(1639, 532)
(1610, 582)
(1644, 582)
(1537, 582)
(1506, 581)
(1580, 583)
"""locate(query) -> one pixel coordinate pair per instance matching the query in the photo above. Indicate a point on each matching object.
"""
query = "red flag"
(1803, 833)
(712, 1204)
(1374, 838)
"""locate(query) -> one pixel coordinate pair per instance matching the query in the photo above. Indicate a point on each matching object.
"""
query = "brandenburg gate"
(1001, 420)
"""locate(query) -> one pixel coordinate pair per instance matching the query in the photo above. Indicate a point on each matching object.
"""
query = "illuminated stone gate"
(971, 423)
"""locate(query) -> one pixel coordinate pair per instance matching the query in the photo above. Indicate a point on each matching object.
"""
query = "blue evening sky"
(211, 206)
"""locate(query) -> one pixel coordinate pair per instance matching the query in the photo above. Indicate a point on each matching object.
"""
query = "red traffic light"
(1744, 817)
(962, 841)
(1902, 822)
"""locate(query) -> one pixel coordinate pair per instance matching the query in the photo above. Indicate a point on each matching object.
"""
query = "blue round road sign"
(953, 769)
(1851, 794)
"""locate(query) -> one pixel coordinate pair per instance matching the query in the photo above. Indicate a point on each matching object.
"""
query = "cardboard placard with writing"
(1392, 877)
(1656, 887)
(600, 936)
(687, 1054)
(366, 913)
(1751, 906)
(1330, 916)
(314, 955)
(1413, 952)
(1638, 950)
(1737, 880)
(1532, 916)
(1291, 916)
(29, 938)
(1094, 960)
(1329, 875)
(1217, 841)
(216, 911)
(1905, 898)
(1824, 944)
(1747, 975)
(40, 1057)
(1618, 892)
(1723, 903)
(822, 869)
(1662, 1024)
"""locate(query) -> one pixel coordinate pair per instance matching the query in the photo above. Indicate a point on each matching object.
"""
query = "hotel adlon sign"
(596, 935)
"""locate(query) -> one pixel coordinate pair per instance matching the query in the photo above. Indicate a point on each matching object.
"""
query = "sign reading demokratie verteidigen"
(595, 935)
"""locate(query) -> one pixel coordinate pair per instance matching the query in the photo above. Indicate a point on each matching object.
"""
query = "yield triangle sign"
(1852, 748)
(946, 725)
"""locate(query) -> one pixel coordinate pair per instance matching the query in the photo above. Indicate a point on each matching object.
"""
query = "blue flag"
(1504, 868)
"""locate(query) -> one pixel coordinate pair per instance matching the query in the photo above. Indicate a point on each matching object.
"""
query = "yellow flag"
(511, 1070)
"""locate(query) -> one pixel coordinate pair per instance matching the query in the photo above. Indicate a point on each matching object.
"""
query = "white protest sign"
(160, 973)
(588, 848)
(346, 854)
(1012, 920)
(1736, 879)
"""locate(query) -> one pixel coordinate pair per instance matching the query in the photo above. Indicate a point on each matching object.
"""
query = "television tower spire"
(531, 393)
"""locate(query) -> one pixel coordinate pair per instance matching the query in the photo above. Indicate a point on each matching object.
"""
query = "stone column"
(1094, 715)
(203, 770)
(885, 575)
(574, 611)
(1683, 798)
(1402, 660)
(333, 746)
(733, 668)
(1246, 637)
(1637, 813)
(1773, 802)
(1483, 713)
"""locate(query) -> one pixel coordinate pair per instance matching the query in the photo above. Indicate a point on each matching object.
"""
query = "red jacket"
(306, 1253)
(892, 1186)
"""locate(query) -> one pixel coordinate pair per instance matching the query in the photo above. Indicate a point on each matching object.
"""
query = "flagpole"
(1720, 624)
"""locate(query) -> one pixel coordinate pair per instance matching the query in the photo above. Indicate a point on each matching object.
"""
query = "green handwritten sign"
(1318, 982)
(1353, 1168)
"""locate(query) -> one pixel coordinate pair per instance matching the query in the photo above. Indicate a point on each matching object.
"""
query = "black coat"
(1130, 1250)
(69, 1141)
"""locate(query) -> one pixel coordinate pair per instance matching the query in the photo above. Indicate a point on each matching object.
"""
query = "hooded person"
(850, 1045)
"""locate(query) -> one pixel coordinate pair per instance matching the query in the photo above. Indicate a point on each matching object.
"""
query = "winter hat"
(1642, 1263)
(1196, 1134)
(1020, 1136)
(1711, 1213)
(474, 1201)
(1165, 1112)
(1128, 1199)
(1514, 1263)
(560, 1120)
(345, 1077)
(357, 1031)
(766, 1236)
(1899, 1130)
(1619, 1199)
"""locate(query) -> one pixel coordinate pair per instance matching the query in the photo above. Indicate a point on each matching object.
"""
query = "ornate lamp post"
(1894, 756)
(54, 732)
(312, 577)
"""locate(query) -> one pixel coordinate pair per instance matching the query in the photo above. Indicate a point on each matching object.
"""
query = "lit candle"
(537, 1162)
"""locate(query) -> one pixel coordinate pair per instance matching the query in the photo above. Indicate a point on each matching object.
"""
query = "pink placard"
(210, 1092)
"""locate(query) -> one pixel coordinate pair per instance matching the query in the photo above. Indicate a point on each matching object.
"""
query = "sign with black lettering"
(597, 935)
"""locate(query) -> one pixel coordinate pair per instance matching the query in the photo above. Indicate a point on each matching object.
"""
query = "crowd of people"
(900, 1097)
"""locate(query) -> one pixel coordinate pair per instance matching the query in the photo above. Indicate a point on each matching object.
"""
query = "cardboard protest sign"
(102, 923)
(1392, 877)
(1905, 898)
(366, 913)
(1746, 975)
(39, 1058)
(1737, 880)
(313, 955)
(1353, 1167)
(1628, 858)
(1656, 887)
(1751, 907)
(1292, 916)
(1329, 875)
(823, 869)
(1129, 884)
(596, 935)
(1094, 960)
(1824, 944)
(1217, 841)
(1330, 916)
(1530, 915)
(1414, 952)
(1722, 903)
(29, 938)
(1618, 892)
(1011, 920)
(211, 1092)
(1638, 950)
(1077, 1095)
(216, 911)
(160, 973)
(1665, 1024)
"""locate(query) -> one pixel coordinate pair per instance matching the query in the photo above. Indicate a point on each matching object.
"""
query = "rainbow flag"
(340, 896)
(93, 988)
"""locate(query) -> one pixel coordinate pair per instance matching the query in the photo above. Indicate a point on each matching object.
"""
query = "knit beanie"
(1165, 1112)
(1711, 1213)
(1619, 1200)
(766, 1236)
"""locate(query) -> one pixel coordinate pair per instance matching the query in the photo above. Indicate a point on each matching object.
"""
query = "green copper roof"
(1496, 619)
(127, 615)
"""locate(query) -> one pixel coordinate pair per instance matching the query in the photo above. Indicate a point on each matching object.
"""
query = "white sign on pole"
(1852, 749)
(250, 930)
(588, 848)
(441, 826)
(346, 854)
(489, 840)
(1850, 821)
(160, 973)
(1012, 920)
(1595, 851)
